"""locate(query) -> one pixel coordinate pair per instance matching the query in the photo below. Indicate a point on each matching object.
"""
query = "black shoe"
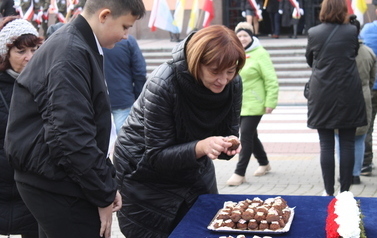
(366, 170)
(356, 180)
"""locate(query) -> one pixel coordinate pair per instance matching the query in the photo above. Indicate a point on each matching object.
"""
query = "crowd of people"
(85, 134)
(281, 13)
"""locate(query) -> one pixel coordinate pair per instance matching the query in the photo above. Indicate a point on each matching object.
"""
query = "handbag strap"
(327, 40)
(5, 102)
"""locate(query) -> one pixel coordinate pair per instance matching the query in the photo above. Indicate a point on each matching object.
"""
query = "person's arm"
(106, 216)
(271, 85)
(164, 152)
(3, 6)
(138, 67)
(373, 71)
(309, 52)
(66, 104)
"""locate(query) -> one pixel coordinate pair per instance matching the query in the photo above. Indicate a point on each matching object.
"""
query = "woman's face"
(216, 80)
(244, 37)
(18, 58)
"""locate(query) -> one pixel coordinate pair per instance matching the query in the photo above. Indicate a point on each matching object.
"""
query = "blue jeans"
(120, 115)
(275, 23)
(359, 152)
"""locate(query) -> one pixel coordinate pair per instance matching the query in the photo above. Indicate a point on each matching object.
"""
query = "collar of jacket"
(83, 26)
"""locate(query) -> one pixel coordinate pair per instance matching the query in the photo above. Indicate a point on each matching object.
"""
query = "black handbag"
(306, 90)
(306, 87)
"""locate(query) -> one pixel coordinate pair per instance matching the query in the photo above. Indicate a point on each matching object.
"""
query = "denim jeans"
(120, 115)
(275, 23)
(359, 152)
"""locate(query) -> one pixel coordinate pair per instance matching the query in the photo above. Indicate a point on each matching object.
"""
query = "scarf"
(12, 73)
(201, 113)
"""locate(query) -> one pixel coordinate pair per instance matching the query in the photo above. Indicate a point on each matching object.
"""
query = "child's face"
(115, 29)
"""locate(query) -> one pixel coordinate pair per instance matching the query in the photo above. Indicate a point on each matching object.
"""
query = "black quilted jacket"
(159, 178)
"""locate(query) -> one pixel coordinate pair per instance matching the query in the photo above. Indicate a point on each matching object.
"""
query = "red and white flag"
(296, 9)
(257, 9)
(29, 14)
(53, 8)
(71, 4)
(209, 12)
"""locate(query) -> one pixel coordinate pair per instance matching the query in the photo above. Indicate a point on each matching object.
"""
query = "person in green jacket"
(260, 96)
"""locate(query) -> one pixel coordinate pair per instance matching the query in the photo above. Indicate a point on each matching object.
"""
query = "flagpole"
(265, 4)
(199, 19)
(69, 11)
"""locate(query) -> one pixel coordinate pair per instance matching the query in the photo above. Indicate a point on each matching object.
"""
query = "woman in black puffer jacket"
(18, 42)
(177, 126)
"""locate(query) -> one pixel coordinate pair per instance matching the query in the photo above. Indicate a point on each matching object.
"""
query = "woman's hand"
(269, 110)
(229, 151)
(213, 146)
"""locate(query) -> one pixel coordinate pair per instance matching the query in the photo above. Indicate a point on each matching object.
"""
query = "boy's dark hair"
(117, 7)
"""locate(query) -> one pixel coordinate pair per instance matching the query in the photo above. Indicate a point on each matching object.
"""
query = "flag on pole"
(194, 17)
(349, 6)
(18, 8)
(257, 9)
(161, 17)
(359, 7)
(179, 14)
(29, 14)
(209, 12)
(53, 8)
(296, 9)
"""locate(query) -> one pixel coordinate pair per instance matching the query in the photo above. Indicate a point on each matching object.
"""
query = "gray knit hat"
(11, 31)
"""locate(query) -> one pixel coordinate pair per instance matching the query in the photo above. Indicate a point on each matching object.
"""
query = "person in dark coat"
(7, 8)
(292, 11)
(58, 133)
(336, 98)
(18, 42)
(182, 120)
(253, 14)
(272, 7)
(125, 73)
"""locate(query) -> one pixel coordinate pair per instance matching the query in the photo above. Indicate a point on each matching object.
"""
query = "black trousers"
(250, 144)
(346, 154)
(61, 216)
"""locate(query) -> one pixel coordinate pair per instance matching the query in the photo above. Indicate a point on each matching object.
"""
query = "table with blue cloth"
(309, 218)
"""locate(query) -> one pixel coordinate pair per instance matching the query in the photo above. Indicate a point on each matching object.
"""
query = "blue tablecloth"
(309, 219)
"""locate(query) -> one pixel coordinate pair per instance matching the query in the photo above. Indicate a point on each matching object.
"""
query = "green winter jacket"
(260, 84)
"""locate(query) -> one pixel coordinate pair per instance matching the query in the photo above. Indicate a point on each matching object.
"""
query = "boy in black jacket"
(59, 125)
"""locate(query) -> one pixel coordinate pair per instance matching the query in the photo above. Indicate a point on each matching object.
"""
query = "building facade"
(228, 13)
